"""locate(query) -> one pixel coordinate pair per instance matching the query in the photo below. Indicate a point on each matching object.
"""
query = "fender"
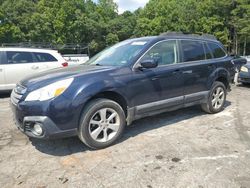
(218, 73)
(94, 87)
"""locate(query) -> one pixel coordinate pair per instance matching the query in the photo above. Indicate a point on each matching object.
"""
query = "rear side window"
(44, 57)
(217, 51)
(19, 57)
(192, 50)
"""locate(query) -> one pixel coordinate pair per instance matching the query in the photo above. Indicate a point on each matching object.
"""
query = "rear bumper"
(244, 77)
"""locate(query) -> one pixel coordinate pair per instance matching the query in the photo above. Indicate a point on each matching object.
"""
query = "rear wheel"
(216, 99)
(102, 123)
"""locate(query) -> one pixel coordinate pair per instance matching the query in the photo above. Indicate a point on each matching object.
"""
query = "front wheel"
(102, 123)
(216, 99)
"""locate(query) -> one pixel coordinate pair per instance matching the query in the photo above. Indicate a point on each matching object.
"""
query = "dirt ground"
(184, 148)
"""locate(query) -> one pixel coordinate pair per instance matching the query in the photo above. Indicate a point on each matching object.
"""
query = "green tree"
(111, 39)
(100, 25)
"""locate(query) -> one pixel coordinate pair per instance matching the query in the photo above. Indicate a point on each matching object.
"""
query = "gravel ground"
(184, 148)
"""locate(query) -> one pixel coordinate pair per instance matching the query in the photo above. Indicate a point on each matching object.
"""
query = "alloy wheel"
(104, 125)
(218, 98)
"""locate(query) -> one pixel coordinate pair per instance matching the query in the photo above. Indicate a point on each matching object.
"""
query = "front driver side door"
(161, 87)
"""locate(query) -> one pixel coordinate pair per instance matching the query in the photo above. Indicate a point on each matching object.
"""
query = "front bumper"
(49, 129)
(244, 77)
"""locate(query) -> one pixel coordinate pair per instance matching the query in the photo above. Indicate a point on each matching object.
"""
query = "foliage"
(100, 25)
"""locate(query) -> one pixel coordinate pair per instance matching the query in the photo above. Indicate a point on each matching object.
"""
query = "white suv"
(17, 63)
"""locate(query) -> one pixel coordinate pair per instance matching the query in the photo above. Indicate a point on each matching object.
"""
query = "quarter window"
(192, 50)
(164, 52)
(216, 50)
(19, 57)
(44, 57)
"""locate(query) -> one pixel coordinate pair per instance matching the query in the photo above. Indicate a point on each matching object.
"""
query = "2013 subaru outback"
(130, 80)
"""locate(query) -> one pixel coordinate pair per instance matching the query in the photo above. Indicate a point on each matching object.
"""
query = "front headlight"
(244, 69)
(49, 91)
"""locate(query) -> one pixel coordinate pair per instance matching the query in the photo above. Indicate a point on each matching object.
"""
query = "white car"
(17, 63)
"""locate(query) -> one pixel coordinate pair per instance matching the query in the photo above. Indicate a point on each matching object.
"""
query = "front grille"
(17, 94)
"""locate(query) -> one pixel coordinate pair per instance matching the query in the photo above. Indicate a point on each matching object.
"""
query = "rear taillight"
(65, 64)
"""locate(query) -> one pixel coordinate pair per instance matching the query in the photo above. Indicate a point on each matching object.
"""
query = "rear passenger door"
(46, 61)
(18, 65)
(196, 68)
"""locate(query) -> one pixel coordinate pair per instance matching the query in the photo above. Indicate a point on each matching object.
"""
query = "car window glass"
(164, 52)
(119, 54)
(19, 57)
(192, 50)
(216, 50)
(44, 57)
(207, 52)
(1, 58)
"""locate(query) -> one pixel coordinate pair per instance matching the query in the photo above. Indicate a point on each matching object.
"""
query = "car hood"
(47, 77)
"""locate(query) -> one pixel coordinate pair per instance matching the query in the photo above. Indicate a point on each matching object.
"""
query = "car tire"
(102, 123)
(216, 99)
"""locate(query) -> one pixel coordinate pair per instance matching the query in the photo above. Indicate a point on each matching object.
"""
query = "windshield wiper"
(97, 64)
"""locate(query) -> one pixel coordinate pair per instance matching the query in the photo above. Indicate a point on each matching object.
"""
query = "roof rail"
(42, 45)
(200, 35)
(209, 36)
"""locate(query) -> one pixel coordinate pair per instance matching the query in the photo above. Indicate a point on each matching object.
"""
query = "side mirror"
(149, 63)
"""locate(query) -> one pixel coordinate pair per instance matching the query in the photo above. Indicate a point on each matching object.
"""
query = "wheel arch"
(223, 80)
(114, 96)
(111, 95)
(220, 75)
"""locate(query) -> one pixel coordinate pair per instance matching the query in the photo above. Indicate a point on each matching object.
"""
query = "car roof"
(189, 37)
(173, 35)
(26, 49)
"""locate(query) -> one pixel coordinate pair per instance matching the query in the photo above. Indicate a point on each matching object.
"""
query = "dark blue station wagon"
(130, 80)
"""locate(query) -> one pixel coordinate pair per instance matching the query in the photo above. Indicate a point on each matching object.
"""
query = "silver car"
(17, 63)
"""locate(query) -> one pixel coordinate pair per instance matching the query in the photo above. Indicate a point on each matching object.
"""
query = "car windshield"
(119, 54)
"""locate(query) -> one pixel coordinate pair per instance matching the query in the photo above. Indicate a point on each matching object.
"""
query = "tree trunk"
(245, 46)
(236, 44)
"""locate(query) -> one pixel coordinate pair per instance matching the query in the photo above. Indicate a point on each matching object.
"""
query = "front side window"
(216, 50)
(164, 53)
(44, 57)
(192, 50)
(19, 57)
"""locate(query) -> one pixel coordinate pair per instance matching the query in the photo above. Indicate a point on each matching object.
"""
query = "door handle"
(155, 78)
(34, 67)
(187, 72)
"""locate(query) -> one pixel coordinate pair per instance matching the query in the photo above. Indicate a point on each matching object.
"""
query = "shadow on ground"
(246, 85)
(63, 147)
